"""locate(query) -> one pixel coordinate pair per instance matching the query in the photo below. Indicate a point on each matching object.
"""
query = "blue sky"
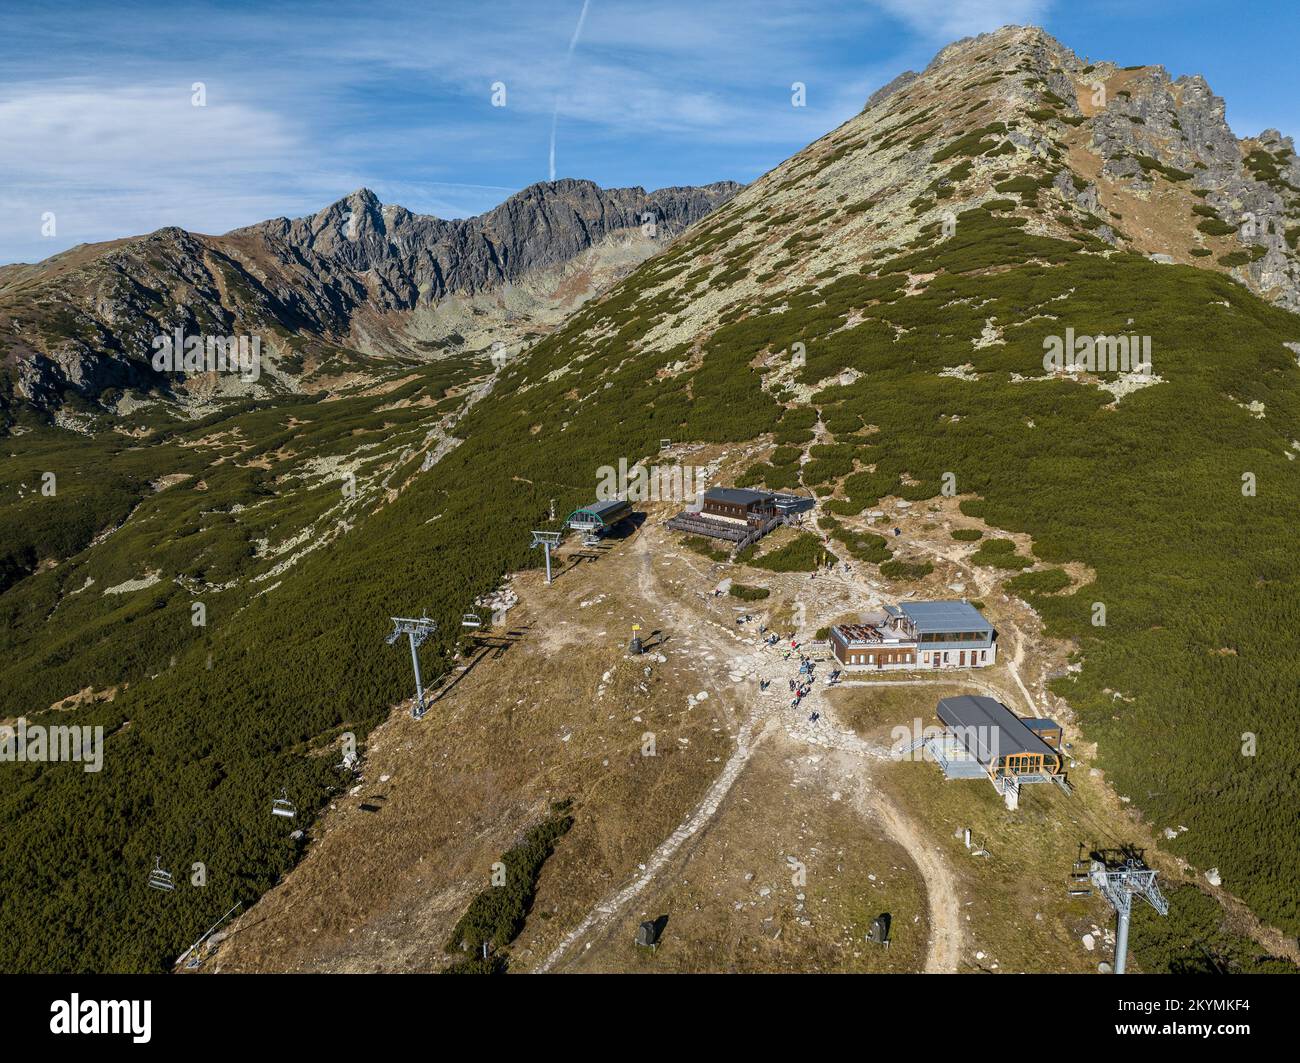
(309, 101)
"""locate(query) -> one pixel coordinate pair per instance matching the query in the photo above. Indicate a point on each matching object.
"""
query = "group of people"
(802, 683)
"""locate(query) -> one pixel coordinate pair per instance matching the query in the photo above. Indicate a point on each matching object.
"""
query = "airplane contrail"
(555, 113)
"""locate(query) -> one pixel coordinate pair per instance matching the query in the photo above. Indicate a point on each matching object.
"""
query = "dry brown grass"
(1015, 906)
(380, 890)
(730, 898)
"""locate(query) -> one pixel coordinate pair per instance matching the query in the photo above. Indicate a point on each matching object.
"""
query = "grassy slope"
(1147, 493)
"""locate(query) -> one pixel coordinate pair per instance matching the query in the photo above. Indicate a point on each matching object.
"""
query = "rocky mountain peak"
(353, 275)
(1148, 159)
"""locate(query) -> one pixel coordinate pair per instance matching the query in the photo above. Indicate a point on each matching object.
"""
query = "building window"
(925, 658)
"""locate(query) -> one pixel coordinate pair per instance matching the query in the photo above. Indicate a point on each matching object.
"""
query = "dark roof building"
(740, 515)
(1001, 742)
(738, 496)
(792, 503)
(600, 515)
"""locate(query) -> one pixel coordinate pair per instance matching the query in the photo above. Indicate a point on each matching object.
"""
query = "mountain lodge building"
(949, 634)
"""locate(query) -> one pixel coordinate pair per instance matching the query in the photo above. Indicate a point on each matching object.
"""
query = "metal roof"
(608, 512)
(989, 729)
(738, 496)
(944, 617)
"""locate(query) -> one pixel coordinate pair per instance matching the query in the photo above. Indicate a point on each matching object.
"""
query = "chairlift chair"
(471, 620)
(282, 806)
(160, 879)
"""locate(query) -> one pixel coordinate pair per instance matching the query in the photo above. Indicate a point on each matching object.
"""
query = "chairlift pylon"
(282, 806)
(160, 879)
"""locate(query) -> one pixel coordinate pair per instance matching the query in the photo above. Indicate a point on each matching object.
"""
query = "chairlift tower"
(417, 630)
(1118, 885)
(546, 540)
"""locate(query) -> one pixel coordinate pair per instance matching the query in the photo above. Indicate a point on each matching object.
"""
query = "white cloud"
(109, 161)
(397, 97)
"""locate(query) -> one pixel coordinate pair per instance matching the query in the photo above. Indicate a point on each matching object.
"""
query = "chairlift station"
(600, 517)
(983, 739)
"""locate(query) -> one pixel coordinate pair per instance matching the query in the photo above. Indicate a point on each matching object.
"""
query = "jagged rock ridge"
(360, 276)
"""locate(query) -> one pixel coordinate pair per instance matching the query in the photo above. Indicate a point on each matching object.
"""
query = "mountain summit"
(358, 278)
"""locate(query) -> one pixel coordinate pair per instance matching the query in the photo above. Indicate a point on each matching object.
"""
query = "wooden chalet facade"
(738, 504)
